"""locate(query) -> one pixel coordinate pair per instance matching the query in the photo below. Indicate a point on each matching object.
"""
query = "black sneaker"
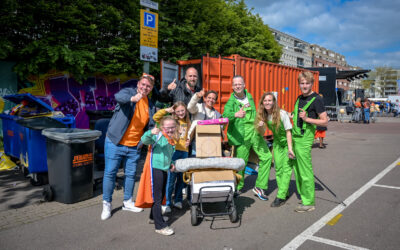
(278, 202)
(237, 193)
(260, 193)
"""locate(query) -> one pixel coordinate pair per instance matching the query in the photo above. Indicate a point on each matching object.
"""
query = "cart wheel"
(233, 216)
(193, 213)
(47, 193)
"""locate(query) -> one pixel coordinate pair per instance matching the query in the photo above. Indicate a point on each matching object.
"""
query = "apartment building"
(322, 57)
(295, 52)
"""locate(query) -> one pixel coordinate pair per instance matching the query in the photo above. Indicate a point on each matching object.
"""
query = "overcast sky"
(366, 32)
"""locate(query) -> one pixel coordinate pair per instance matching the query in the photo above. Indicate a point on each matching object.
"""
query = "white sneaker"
(165, 209)
(106, 210)
(178, 205)
(129, 205)
(165, 231)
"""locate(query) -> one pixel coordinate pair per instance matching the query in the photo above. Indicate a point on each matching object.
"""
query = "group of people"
(388, 107)
(134, 124)
(364, 110)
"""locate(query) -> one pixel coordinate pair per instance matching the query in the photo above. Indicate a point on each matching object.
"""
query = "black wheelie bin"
(70, 161)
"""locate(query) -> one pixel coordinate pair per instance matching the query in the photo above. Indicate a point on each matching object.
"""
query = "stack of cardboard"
(208, 144)
(208, 141)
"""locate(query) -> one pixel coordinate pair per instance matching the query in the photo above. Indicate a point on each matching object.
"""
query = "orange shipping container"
(216, 73)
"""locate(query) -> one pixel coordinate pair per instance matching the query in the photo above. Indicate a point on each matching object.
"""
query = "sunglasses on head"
(148, 76)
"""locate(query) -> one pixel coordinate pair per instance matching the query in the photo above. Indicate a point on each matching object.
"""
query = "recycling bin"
(70, 161)
(12, 133)
(22, 136)
(33, 146)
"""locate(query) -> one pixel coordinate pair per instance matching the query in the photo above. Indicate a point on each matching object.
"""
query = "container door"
(217, 74)
(169, 72)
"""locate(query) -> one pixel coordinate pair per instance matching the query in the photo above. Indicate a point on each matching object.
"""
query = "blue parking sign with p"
(149, 20)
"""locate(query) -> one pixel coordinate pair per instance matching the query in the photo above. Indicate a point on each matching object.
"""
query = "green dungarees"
(302, 144)
(243, 135)
(283, 165)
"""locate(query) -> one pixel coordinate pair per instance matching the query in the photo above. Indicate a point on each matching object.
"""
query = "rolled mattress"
(183, 165)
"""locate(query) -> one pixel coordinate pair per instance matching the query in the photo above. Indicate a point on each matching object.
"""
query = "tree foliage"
(86, 36)
(381, 78)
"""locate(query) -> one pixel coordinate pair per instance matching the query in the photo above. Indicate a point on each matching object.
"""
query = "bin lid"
(18, 98)
(71, 135)
(40, 123)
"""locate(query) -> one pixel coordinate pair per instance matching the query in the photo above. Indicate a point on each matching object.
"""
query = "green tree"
(85, 36)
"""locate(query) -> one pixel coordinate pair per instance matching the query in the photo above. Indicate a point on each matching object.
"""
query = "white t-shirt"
(244, 101)
(285, 120)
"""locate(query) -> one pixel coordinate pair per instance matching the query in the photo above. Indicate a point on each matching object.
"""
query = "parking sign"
(149, 20)
(148, 36)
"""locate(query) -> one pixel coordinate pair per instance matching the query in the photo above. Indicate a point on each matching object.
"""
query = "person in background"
(277, 120)
(366, 106)
(320, 133)
(309, 112)
(357, 113)
(163, 141)
(133, 114)
(175, 179)
(373, 111)
(396, 108)
(241, 112)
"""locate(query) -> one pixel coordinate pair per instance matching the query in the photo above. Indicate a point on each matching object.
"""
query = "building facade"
(387, 83)
(295, 52)
(322, 57)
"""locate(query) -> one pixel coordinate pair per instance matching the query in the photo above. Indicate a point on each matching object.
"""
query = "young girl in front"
(277, 120)
(175, 179)
(163, 141)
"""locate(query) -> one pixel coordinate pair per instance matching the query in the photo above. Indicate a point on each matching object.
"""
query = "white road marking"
(335, 243)
(385, 186)
(314, 228)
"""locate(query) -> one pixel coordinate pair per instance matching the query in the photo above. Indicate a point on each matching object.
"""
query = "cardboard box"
(213, 175)
(208, 141)
(216, 185)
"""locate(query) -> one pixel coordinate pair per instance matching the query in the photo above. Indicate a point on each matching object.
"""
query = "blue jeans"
(366, 114)
(113, 156)
(175, 179)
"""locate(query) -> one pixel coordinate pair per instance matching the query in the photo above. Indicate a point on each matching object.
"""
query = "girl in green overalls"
(269, 114)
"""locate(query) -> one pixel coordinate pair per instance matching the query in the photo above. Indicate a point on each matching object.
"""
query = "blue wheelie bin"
(29, 146)
(12, 133)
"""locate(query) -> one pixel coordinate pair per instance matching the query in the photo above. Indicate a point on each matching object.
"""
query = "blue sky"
(366, 32)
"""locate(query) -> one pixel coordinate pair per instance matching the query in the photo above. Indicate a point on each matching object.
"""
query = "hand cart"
(215, 191)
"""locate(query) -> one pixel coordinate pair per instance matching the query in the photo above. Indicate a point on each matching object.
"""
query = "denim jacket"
(123, 114)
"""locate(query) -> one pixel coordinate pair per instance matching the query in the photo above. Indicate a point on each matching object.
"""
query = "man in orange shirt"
(133, 115)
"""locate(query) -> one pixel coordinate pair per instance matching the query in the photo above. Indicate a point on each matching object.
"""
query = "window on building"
(300, 62)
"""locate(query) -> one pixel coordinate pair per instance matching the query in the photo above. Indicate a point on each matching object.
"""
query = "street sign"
(148, 36)
(149, 4)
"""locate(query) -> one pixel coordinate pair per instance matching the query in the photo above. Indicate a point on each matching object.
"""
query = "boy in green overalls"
(309, 112)
(241, 111)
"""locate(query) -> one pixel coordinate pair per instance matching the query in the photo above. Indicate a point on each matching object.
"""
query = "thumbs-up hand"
(170, 110)
(172, 85)
(200, 94)
(261, 123)
(155, 131)
(136, 97)
(241, 113)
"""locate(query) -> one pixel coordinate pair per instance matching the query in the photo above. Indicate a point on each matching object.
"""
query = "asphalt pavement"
(357, 207)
